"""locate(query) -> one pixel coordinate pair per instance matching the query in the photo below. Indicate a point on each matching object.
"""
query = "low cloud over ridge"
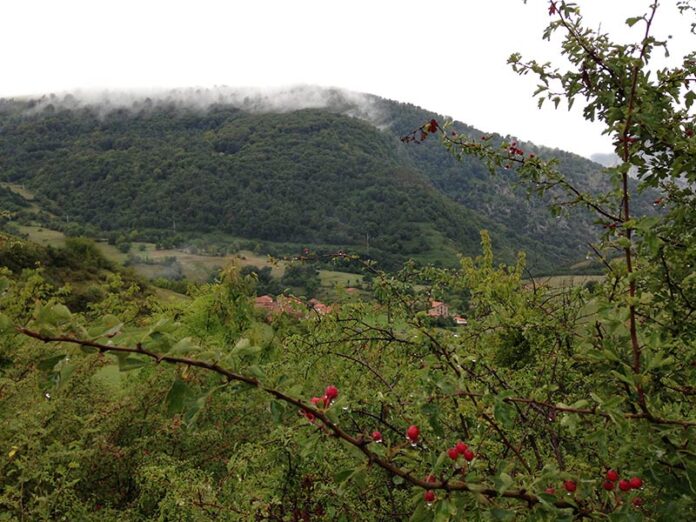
(277, 99)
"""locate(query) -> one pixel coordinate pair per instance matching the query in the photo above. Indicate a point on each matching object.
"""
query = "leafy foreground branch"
(361, 442)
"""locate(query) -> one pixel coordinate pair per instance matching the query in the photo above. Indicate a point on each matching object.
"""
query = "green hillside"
(303, 177)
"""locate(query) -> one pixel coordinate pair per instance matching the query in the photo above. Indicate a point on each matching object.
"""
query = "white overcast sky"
(446, 56)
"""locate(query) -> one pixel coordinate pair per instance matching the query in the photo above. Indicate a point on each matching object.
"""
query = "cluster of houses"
(291, 305)
(296, 307)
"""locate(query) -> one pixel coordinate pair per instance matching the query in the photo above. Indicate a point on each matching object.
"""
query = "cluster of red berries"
(460, 449)
(609, 484)
(330, 395)
(624, 484)
(514, 150)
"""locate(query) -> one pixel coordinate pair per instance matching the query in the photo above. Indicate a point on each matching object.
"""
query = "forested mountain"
(317, 176)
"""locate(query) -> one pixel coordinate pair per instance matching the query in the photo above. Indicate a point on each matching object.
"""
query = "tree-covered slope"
(502, 198)
(306, 176)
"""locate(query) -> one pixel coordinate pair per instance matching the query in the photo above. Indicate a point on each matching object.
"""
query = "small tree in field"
(549, 405)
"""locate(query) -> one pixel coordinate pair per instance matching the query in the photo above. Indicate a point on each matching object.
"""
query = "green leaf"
(277, 411)
(50, 362)
(504, 413)
(108, 325)
(178, 394)
(182, 347)
(54, 315)
(422, 513)
(503, 482)
(245, 349)
(256, 371)
(343, 475)
(128, 363)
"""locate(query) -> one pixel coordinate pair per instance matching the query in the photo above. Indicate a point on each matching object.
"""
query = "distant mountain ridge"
(334, 173)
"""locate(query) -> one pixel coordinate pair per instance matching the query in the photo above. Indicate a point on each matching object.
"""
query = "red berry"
(376, 436)
(433, 125)
(608, 485)
(412, 433)
(310, 416)
(570, 486)
(613, 475)
(468, 455)
(453, 453)
(331, 392)
(550, 491)
(461, 447)
(431, 479)
(637, 502)
(316, 400)
(624, 485)
(429, 496)
(635, 482)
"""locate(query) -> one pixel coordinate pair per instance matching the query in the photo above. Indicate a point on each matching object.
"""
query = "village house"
(266, 302)
(319, 307)
(438, 309)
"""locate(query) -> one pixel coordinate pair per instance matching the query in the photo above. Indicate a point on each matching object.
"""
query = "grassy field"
(197, 267)
(43, 236)
(564, 281)
(329, 278)
(18, 189)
